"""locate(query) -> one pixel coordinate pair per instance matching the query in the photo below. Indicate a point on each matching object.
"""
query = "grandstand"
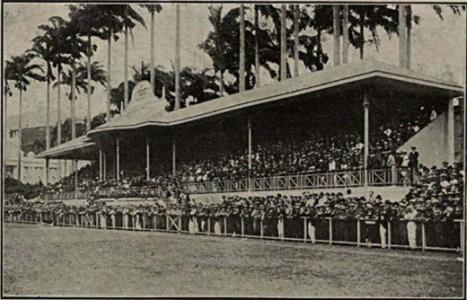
(333, 129)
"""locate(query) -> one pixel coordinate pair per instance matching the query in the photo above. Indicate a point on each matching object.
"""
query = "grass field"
(42, 261)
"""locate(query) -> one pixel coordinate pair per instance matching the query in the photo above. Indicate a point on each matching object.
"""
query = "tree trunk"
(362, 32)
(47, 117)
(5, 132)
(283, 60)
(319, 50)
(409, 35)
(257, 65)
(125, 71)
(295, 37)
(345, 44)
(109, 45)
(153, 78)
(59, 102)
(241, 75)
(73, 96)
(177, 57)
(88, 119)
(20, 129)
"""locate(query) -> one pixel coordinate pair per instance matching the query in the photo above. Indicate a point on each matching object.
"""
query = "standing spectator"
(413, 164)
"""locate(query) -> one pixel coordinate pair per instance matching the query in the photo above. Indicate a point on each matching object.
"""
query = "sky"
(437, 46)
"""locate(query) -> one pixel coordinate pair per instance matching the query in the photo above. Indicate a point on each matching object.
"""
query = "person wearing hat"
(413, 164)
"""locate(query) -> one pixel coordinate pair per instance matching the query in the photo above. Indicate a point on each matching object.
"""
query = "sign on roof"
(142, 93)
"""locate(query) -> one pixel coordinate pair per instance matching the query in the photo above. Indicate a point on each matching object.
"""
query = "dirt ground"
(44, 261)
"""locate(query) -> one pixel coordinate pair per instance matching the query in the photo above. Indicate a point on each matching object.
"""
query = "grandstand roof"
(79, 148)
(367, 71)
(156, 115)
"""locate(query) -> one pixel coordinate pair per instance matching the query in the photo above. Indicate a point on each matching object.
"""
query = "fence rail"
(443, 236)
(277, 183)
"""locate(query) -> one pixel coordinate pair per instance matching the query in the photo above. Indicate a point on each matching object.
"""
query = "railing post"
(209, 225)
(330, 231)
(155, 222)
(358, 233)
(225, 226)
(389, 235)
(423, 237)
(243, 226)
(283, 228)
(179, 223)
(167, 223)
(305, 229)
(261, 228)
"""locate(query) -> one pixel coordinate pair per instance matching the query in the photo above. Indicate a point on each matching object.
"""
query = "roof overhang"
(365, 72)
(363, 75)
(80, 148)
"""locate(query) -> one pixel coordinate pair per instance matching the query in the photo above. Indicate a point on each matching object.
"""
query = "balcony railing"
(348, 179)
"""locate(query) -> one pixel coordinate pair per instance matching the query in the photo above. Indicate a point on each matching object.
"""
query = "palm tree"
(78, 81)
(129, 16)
(43, 48)
(55, 31)
(23, 70)
(86, 19)
(8, 73)
(152, 8)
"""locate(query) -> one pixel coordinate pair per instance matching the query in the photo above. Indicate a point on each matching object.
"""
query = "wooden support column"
(117, 158)
(336, 34)
(101, 163)
(451, 132)
(345, 29)
(366, 136)
(75, 168)
(47, 166)
(148, 163)
(250, 150)
(104, 165)
(174, 157)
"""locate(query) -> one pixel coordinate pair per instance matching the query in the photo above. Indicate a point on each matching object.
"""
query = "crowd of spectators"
(435, 199)
(315, 152)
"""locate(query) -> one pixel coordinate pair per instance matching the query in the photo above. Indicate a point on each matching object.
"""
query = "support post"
(101, 163)
(75, 168)
(243, 226)
(250, 146)
(402, 37)
(336, 34)
(104, 166)
(345, 42)
(117, 154)
(174, 157)
(451, 132)
(47, 166)
(359, 237)
(305, 229)
(389, 235)
(330, 231)
(225, 226)
(366, 135)
(148, 162)
(209, 225)
(423, 237)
